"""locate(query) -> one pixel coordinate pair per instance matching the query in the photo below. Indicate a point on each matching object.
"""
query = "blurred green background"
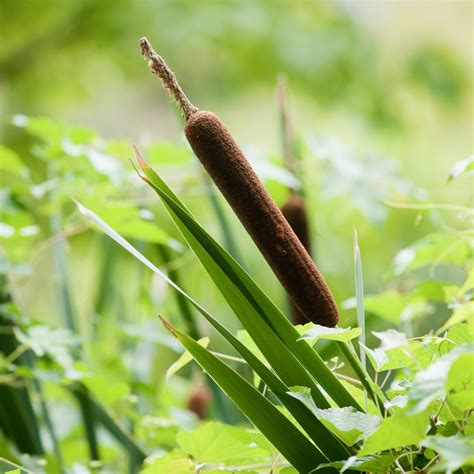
(386, 79)
(380, 95)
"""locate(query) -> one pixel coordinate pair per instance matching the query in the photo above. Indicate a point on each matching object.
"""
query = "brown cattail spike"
(219, 153)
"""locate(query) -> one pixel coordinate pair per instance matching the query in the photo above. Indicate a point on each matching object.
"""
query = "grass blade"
(273, 424)
(17, 417)
(242, 292)
(328, 443)
(359, 288)
(359, 365)
(101, 415)
(88, 416)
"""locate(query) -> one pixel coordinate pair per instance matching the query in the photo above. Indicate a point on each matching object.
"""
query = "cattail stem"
(159, 67)
(219, 153)
(286, 128)
(294, 208)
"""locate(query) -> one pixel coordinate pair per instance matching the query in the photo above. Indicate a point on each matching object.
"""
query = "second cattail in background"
(294, 209)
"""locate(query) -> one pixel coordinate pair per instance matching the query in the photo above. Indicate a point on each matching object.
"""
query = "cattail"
(294, 211)
(229, 169)
(294, 208)
(199, 399)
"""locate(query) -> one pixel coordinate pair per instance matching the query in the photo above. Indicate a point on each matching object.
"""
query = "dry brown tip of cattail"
(199, 399)
(219, 153)
(159, 67)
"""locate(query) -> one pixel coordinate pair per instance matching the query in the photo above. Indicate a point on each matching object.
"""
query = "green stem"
(372, 389)
(88, 416)
(47, 418)
(119, 433)
(60, 264)
(49, 426)
(104, 295)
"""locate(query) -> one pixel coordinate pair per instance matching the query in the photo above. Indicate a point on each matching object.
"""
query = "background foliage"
(382, 105)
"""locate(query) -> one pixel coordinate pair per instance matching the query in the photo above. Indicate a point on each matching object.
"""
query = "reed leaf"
(327, 442)
(299, 451)
(254, 309)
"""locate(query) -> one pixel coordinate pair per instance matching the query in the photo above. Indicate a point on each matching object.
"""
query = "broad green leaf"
(317, 332)
(10, 162)
(214, 442)
(462, 167)
(56, 343)
(458, 403)
(346, 423)
(461, 333)
(391, 338)
(462, 400)
(388, 305)
(461, 313)
(380, 463)
(395, 432)
(468, 283)
(175, 462)
(461, 373)
(430, 289)
(432, 382)
(435, 248)
(455, 451)
(53, 131)
(387, 356)
(272, 423)
(14, 471)
(184, 359)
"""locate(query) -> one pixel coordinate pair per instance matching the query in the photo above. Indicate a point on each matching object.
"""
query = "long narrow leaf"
(262, 413)
(17, 417)
(359, 287)
(327, 442)
(118, 432)
(250, 303)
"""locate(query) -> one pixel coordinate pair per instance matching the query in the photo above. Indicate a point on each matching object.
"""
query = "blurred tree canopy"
(55, 53)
